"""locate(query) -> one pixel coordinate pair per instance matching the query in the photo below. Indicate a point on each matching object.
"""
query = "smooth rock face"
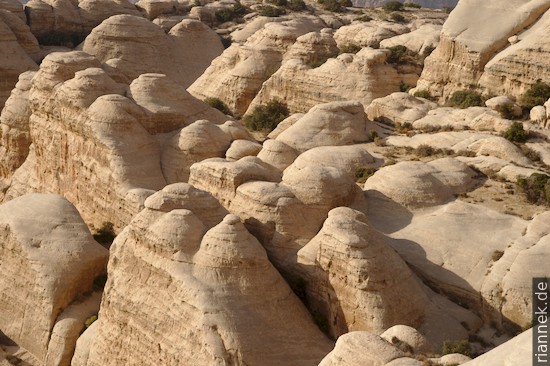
(238, 74)
(213, 300)
(14, 58)
(517, 351)
(474, 53)
(349, 257)
(48, 259)
(399, 108)
(424, 38)
(133, 46)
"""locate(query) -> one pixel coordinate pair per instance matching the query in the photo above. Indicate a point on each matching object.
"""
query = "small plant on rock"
(462, 347)
(296, 5)
(538, 94)
(106, 234)
(466, 98)
(272, 11)
(400, 55)
(516, 133)
(90, 321)
(423, 94)
(397, 17)
(266, 117)
(362, 174)
(218, 104)
(536, 188)
(350, 48)
(412, 5)
(393, 6)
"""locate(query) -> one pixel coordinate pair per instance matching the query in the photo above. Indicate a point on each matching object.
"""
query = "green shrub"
(106, 234)
(296, 5)
(218, 104)
(412, 5)
(462, 347)
(362, 174)
(425, 151)
(400, 55)
(397, 17)
(530, 153)
(393, 6)
(337, 6)
(515, 133)
(423, 94)
(538, 94)
(506, 111)
(350, 48)
(271, 11)
(90, 321)
(364, 18)
(403, 127)
(536, 188)
(278, 2)
(226, 15)
(465, 99)
(404, 87)
(266, 117)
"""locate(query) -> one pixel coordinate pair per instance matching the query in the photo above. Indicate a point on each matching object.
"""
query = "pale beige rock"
(538, 115)
(447, 117)
(221, 177)
(364, 77)
(337, 123)
(154, 8)
(423, 38)
(209, 310)
(517, 351)
(14, 133)
(368, 34)
(417, 184)
(134, 45)
(474, 52)
(277, 154)
(399, 108)
(14, 59)
(285, 124)
(15, 7)
(313, 46)
(241, 148)
(453, 359)
(357, 280)
(361, 348)
(237, 75)
(345, 158)
(93, 12)
(250, 28)
(199, 141)
(497, 103)
(83, 345)
(22, 32)
(168, 105)
(48, 258)
(409, 335)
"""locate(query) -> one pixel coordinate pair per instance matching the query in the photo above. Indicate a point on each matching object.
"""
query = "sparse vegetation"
(427, 51)
(315, 63)
(296, 5)
(516, 133)
(403, 127)
(402, 345)
(105, 234)
(538, 94)
(466, 98)
(536, 188)
(218, 104)
(333, 5)
(230, 14)
(403, 87)
(412, 5)
(400, 55)
(530, 153)
(462, 347)
(362, 174)
(364, 18)
(393, 6)
(272, 11)
(506, 111)
(397, 17)
(266, 117)
(350, 48)
(90, 321)
(424, 151)
(423, 94)
(278, 2)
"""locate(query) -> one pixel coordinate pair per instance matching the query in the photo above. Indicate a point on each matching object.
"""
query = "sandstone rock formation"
(49, 259)
(419, 41)
(349, 257)
(204, 283)
(399, 108)
(517, 351)
(133, 45)
(237, 75)
(424, 3)
(368, 34)
(14, 7)
(474, 53)
(18, 49)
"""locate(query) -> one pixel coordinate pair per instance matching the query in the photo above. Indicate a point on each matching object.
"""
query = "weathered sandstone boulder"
(237, 75)
(49, 258)
(22, 32)
(348, 257)
(399, 108)
(154, 8)
(368, 34)
(15, 7)
(517, 351)
(474, 53)
(345, 158)
(14, 58)
(277, 154)
(211, 304)
(241, 148)
(364, 77)
(409, 335)
(504, 102)
(418, 41)
(133, 46)
(329, 124)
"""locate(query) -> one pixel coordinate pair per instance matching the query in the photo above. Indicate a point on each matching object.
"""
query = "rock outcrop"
(474, 53)
(205, 281)
(438, 4)
(132, 46)
(49, 260)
